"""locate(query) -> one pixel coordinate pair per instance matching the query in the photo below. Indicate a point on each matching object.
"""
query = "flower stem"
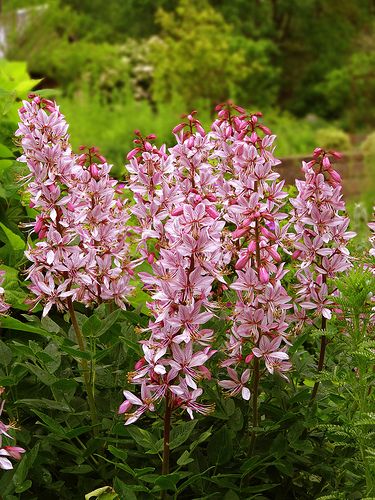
(85, 367)
(256, 374)
(167, 433)
(323, 345)
(255, 391)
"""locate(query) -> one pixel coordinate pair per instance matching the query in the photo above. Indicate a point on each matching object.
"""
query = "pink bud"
(263, 275)
(317, 152)
(239, 109)
(148, 146)
(253, 137)
(31, 204)
(124, 407)
(267, 233)
(151, 258)
(336, 154)
(140, 363)
(211, 197)
(212, 212)
(249, 358)
(132, 153)
(335, 175)
(70, 206)
(326, 163)
(247, 221)
(38, 225)
(275, 255)
(252, 247)
(200, 129)
(266, 130)
(239, 232)
(177, 211)
(296, 254)
(242, 261)
(178, 128)
(94, 170)
(151, 137)
(223, 114)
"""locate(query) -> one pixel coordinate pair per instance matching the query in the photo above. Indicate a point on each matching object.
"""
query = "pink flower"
(268, 351)
(236, 385)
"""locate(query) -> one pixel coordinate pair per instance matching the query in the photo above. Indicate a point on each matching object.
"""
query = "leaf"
(78, 469)
(180, 433)
(16, 242)
(220, 447)
(185, 459)
(169, 481)
(123, 490)
(50, 423)
(144, 439)
(122, 454)
(96, 327)
(5, 354)
(5, 152)
(24, 487)
(15, 324)
(91, 327)
(23, 467)
(45, 377)
(44, 403)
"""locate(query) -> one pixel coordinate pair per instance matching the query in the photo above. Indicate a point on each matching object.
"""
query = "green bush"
(333, 138)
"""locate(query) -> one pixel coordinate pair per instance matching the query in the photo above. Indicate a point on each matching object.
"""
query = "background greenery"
(121, 65)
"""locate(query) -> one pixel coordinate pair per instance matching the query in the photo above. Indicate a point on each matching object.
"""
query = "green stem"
(85, 367)
(256, 377)
(256, 373)
(167, 434)
(323, 345)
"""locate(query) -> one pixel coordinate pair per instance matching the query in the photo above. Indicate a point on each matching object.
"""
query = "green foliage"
(333, 138)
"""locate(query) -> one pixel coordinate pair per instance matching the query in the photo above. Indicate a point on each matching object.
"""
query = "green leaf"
(220, 447)
(15, 324)
(123, 490)
(144, 439)
(15, 241)
(5, 354)
(96, 327)
(4, 165)
(185, 459)
(78, 469)
(180, 433)
(45, 377)
(5, 152)
(24, 486)
(50, 423)
(76, 353)
(121, 454)
(44, 403)
(24, 466)
(169, 481)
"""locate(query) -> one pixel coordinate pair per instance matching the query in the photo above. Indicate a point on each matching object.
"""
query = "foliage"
(332, 138)
(195, 54)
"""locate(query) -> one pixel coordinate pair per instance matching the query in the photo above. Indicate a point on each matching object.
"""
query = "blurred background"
(118, 65)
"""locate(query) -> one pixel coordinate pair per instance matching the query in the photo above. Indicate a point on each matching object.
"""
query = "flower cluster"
(81, 253)
(4, 307)
(252, 198)
(321, 234)
(7, 452)
(187, 263)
